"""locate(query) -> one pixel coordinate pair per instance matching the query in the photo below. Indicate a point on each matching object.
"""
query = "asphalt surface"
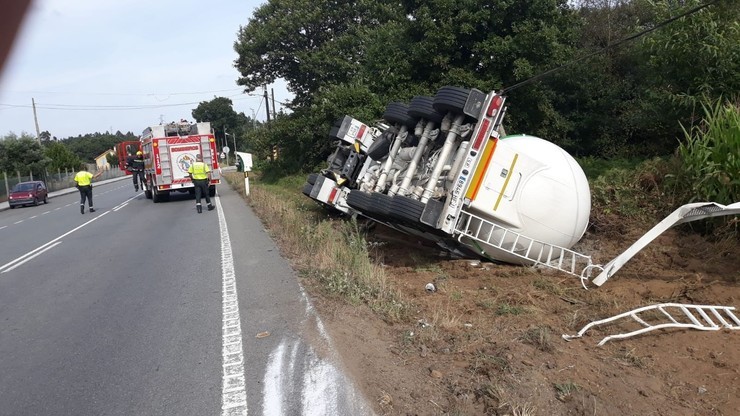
(153, 309)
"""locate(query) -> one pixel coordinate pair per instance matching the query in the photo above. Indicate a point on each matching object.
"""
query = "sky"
(123, 65)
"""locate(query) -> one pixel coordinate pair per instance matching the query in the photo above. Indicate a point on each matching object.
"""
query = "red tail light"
(494, 106)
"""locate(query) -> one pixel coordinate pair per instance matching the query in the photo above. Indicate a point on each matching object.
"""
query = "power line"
(81, 107)
(124, 93)
(611, 45)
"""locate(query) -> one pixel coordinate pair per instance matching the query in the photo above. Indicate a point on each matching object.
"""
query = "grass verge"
(331, 253)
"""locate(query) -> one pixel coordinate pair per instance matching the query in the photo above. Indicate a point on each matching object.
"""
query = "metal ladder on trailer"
(526, 248)
(690, 317)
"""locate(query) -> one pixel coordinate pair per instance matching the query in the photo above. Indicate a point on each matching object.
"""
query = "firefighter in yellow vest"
(200, 174)
(83, 178)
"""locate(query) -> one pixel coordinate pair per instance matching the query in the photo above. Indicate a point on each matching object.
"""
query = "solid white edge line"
(233, 387)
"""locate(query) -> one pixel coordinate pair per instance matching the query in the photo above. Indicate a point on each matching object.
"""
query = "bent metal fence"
(55, 181)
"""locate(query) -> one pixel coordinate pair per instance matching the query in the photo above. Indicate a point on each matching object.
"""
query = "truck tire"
(398, 113)
(359, 200)
(421, 107)
(307, 187)
(212, 191)
(406, 209)
(452, 99)
(380, 147)
(312, 178)
(381, 204)
(156, 196)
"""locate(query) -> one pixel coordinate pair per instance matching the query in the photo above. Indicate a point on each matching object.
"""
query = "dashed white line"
(233, 389)
(18, 222)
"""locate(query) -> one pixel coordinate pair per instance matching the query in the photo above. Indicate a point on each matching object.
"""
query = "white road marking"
(4, 226)
(31, 257)
(124, 203)
(233, 388)
(18, 222)
(44, 213)
(33, 217)
(43, 246)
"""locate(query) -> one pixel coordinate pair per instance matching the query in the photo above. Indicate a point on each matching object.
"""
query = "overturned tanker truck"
(442, 168)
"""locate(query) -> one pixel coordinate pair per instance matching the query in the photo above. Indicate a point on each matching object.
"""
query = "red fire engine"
(169, 150)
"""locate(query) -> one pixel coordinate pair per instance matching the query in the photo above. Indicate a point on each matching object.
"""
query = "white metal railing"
(701, 317)
(537, 252)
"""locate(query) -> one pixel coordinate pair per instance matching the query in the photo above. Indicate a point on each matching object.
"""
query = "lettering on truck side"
(461, 180)
(184, 148)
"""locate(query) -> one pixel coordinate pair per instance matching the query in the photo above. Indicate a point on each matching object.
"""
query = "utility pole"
(267, 103)
(36, 120)
(274, 111)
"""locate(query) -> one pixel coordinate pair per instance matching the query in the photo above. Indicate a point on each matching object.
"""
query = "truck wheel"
(380, 204)
(451, 99)
(380, 147)
(212, 191)
(406, 209)
(307, 189)
(359, 200)
(398, 113)
(421, 107)
(312, 178)
(156, 197)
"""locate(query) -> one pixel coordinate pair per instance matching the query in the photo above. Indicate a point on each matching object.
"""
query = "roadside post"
(244, 164)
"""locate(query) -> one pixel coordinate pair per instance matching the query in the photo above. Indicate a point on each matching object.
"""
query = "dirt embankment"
(488, 341)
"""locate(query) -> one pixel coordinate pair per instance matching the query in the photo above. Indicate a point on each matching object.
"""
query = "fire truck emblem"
(184, 161)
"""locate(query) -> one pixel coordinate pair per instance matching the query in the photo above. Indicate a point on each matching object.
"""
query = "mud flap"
(431, 213)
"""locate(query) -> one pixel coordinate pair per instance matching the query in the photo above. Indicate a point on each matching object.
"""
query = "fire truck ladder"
(689, 316)
(523, 247)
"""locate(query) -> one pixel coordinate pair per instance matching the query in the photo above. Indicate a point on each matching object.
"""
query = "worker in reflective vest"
(83, 178)
(200, 174)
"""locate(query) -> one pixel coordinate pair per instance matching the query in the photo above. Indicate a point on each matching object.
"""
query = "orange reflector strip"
(332, 194)
(480, 171)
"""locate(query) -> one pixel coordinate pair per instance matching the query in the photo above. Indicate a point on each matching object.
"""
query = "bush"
(710, 155)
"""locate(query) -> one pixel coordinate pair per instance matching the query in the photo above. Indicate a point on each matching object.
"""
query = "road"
(153, 309)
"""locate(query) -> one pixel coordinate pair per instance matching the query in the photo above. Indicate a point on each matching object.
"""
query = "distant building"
(101, 161)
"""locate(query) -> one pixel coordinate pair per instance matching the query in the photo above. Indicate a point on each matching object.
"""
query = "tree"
(310, 44)
(22, 154)
(89, 146)
(61, 157)
(694, 59)
(220, 113)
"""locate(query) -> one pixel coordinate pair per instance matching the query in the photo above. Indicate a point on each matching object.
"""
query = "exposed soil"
(488, 340)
